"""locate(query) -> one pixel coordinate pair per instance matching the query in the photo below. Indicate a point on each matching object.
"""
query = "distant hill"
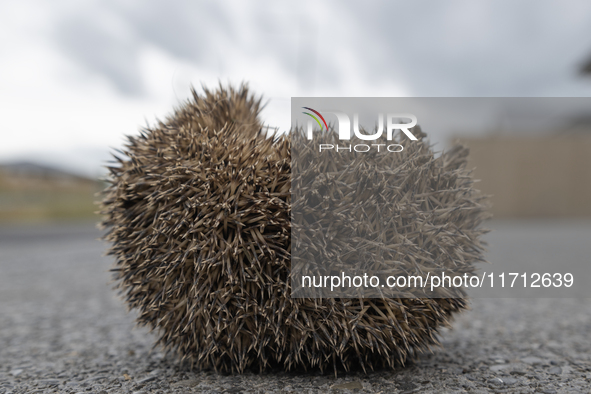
(30, 168)
(30, 175)
(31, 192)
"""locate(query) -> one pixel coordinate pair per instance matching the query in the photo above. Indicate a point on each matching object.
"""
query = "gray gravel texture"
(63, 330)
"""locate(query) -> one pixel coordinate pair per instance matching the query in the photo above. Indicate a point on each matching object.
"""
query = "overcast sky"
(76, 76)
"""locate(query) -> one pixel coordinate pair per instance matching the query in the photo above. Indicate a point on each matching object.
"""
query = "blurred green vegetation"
(41, 197)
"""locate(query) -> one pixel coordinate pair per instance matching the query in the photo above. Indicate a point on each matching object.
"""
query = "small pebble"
(509, 380)
(499, 367)
(16, 372)
(49, 382)
(532, 360)
(146, 380)
(555, 370)
(518, 372)
(99, 377)
(188, 383)
(349, 386)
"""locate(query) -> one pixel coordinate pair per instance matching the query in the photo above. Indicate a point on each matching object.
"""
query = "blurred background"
(79, 76)
(76, 77)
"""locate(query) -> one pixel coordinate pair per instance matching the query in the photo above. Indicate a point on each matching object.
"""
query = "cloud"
(483, 48)
(78, 74)
(103, 43)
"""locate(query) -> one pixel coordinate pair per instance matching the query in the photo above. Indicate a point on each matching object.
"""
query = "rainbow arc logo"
(315, 118)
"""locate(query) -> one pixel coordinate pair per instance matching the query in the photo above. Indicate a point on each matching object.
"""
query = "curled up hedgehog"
(198, 212)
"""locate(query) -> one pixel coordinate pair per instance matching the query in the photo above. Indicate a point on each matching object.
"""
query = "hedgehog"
(198, 213)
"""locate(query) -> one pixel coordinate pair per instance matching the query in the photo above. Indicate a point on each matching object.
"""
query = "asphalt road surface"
(63, 329)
